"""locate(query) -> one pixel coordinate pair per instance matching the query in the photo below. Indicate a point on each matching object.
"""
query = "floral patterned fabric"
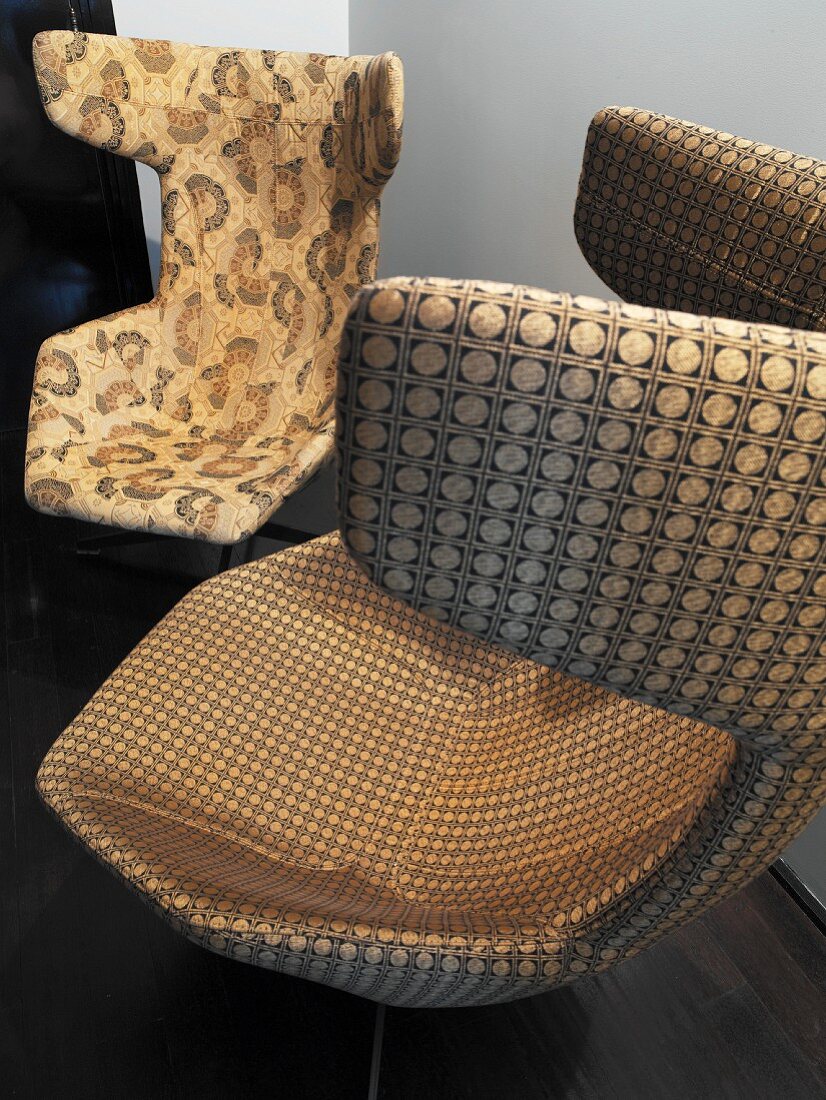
(197, 413)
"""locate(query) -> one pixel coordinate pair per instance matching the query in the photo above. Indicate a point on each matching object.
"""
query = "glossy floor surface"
(99, 999)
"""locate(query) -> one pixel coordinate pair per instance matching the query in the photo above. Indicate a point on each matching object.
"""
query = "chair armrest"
(680, 216)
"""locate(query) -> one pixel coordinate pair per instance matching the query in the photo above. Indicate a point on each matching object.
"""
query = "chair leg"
(375, 1059)
(93, 544)
(292, 535)
(226, 557)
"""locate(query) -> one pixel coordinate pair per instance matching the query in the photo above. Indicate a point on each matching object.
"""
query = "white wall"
(498, 100)
(314, 26)
(499, 96)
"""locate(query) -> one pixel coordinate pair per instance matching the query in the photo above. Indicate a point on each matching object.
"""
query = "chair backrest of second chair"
(673, 214)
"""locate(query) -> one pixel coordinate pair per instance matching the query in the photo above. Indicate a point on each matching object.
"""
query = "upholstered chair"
(680, 216)
(199, 412)
(555, 689)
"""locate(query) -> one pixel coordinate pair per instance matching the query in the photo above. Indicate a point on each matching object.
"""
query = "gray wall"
(499, 96)
(498, 100)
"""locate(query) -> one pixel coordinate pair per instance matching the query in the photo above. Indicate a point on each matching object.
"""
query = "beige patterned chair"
(555, 689)
(199, 412)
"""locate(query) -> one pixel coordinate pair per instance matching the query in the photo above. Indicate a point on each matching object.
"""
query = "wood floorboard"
(58, 1035)
(100, 999)
(769, 1065)
(789, 986)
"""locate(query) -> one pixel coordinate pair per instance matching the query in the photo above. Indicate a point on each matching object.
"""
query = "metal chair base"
(375, 1058)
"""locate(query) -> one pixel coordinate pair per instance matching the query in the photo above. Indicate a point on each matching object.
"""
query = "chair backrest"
(631, 496)
(680, 216)
(271, 165)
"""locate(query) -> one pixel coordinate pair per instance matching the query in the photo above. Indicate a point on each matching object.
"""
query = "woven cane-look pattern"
(680, 216)
(198, 413)
(634, 497)
(300, 772)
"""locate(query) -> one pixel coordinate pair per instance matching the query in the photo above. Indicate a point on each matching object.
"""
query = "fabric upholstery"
(631, 496)
(302, 773)
(681, 216)
(197, 413)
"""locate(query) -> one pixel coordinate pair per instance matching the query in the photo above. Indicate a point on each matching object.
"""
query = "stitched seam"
(686, 845)
(679, 246)
(348, 862)
(657, 820)
(166, 815)
(209, 114)
(311, 931)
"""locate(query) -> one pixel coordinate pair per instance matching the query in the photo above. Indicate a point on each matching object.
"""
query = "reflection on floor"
(99, 999)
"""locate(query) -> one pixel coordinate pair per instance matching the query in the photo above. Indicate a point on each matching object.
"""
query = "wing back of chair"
(632, 497)
(271, 165)
(681, 216)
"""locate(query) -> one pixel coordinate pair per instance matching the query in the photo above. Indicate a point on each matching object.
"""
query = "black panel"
(72, 245)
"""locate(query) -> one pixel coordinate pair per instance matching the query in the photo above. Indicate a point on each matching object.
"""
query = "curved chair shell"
(680, 216)
(197, 413)
(630, 496)
(299, 772)
(304, 772)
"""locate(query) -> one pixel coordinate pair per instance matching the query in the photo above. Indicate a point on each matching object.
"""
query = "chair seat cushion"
(174, 479)
(301, 772)
(119, 434)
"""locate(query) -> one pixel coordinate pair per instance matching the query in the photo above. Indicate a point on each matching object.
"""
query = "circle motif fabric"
(660, 477)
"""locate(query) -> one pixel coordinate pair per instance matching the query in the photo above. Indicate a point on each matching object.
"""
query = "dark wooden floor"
(98, 999)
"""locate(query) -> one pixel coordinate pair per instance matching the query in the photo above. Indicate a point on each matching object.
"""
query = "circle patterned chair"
(680, 216)
(555, 689)
(198, 413)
